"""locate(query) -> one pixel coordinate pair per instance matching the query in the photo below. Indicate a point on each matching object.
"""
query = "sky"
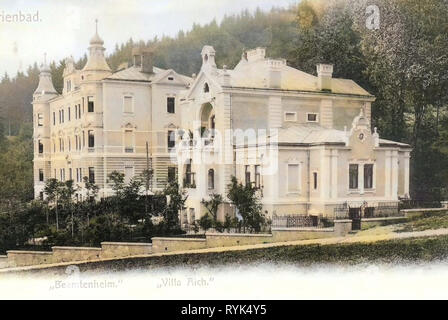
(61, 28)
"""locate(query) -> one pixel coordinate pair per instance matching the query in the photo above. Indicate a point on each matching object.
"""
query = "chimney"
(324, 76)
(136, 57)
(225, 77)
(275, 72)
(147, 61)
(256, 54)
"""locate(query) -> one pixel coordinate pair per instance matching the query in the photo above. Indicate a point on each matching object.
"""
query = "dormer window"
(206, 87)
(170, 78)
(69, 86)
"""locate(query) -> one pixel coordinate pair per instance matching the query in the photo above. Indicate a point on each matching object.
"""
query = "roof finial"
(96, 26)
(45, 58)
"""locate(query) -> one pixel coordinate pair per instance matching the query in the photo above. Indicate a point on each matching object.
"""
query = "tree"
(245, 199)
(213, 204)
(206, 222)
(53, 190)
(176, 198)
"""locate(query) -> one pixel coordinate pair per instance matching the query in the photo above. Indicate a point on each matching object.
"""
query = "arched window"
(206, 87)
(211, 179)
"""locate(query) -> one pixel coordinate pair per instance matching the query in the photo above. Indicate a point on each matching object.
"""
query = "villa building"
(304, 141)
(105, 121)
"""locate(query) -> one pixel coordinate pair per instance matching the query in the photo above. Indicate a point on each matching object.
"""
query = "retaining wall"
(124, 249)
(67, 254)
(3, 262)
(18, 258)
(236, 239)
(177, 244)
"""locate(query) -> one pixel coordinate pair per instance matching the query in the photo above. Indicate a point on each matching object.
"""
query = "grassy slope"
(435, 220)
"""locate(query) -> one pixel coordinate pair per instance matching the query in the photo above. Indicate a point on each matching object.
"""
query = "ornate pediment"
(128, 125)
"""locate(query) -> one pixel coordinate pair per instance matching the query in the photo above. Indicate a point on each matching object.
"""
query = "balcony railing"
(190, 180)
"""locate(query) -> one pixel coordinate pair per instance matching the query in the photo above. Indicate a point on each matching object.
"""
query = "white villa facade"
(103, 121)
(305, 142)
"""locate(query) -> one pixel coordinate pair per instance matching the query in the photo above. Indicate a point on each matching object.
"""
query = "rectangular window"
(171, 174)
(293, 178)
(311, 117)
(368, 176)
(40, 146)
(54, 118)
(76, 111)
(170, 105)
(70, 173)
(171, 140)
(69, 114)
(41, 175)
(290, 116)
(247, 175)
(353, 176)
(90, 104)
(128, 174)
(79, 109)
(315, 180)
(128, 142)
(91, 174)
(127, 105)
(91, 139)
(40, 120)
(257, 176)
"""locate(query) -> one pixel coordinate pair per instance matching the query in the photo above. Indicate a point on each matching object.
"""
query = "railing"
(367, 210)
(295, 221)
(189, 180)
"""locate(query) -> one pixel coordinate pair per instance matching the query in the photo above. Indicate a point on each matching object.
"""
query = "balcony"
(190, 180)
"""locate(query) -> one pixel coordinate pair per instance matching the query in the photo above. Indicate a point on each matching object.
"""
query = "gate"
(355, 215)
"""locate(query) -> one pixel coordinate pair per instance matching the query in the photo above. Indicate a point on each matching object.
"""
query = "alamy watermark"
(373, 17)
(19, 17)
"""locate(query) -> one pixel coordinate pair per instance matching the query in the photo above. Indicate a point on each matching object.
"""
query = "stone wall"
(18, 258)
(124, 249)
(292, 234)
(160, 245)
(67, 254)
(3, 262)
(108, 250)
(236, 239)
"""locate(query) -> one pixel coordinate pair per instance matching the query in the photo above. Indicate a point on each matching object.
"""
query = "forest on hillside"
(404, 63)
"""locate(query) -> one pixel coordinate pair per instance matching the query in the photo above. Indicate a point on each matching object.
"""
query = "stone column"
(326, 113)
(275, 111)
(406, 173)
(334, 174)
(394, 191)
(387, 173)
(325, 174)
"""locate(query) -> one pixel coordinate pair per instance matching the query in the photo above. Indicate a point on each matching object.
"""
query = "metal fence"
(295, 221)
(367, 210)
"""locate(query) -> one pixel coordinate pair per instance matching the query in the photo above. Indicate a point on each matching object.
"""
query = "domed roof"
(96, 40)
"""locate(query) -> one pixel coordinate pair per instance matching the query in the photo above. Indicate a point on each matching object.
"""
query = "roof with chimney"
(253, 71)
